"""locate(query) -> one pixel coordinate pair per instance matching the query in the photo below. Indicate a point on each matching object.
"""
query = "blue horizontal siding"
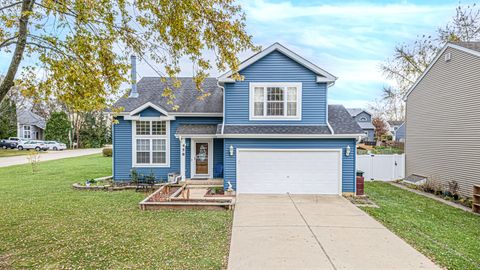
(348, 163)
(150, 112)
(276, 67)
(122, 149)
(122, 134)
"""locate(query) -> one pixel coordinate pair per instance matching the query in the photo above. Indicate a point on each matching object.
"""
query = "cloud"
(265, 11)
(349, 39)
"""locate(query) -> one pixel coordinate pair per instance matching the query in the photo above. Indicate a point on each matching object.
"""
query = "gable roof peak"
(322, 75)
(472, 47)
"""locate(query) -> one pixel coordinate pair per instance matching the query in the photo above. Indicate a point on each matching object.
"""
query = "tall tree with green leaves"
(8, 119)
(410, 60)
(80, 48)
(58, 128)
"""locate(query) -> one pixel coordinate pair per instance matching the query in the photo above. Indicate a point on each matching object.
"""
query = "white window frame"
(150, 137)
(29, 131)
(363, 119)
(284, 85)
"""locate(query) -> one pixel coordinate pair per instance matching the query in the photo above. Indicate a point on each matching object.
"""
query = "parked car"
(53, 145)
(15, 140)
(37, 145)
(6, 144)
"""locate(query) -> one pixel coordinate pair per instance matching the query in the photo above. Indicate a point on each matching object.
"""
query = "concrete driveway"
(314, 232)
(50, 155)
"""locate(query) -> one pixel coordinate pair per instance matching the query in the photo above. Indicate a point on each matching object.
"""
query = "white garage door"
(304, 171)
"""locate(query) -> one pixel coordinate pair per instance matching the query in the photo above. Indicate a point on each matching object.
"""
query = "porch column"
(182, 158)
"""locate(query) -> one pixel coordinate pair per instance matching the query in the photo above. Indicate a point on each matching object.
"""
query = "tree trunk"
(8, 81)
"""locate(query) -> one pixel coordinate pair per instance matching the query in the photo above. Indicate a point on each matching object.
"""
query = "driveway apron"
(314, 232)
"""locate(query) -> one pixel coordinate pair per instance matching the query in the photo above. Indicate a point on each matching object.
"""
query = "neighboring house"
(393, 127)
(30, 126)
(272, 132)
(364, 120)
(400, 133)
(442, 123)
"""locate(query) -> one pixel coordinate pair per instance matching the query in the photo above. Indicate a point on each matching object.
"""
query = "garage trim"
(339, 150)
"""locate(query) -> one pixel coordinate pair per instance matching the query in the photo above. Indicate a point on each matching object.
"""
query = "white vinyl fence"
(382, 167)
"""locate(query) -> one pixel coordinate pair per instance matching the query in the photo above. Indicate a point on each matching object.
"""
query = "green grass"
(45, 224)
(13, 152)
(449, 236)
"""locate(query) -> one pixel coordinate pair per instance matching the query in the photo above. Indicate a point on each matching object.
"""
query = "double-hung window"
(275, 101)
(27, 130)
(150, 143)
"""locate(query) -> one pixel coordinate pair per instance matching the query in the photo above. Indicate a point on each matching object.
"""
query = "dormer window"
(275, 101)
(363, 119)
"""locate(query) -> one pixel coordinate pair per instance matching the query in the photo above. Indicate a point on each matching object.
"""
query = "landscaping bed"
(448, 193)
(175, 196)
(447, 235)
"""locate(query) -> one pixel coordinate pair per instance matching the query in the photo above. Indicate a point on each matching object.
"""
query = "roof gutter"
(223, 105)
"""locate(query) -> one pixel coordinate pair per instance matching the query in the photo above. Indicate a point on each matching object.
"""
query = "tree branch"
(8, 41)
(8, 82)
(9, 6)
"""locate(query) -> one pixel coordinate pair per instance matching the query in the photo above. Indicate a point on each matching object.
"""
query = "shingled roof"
(473, 45)
(338, 118)
(188, 98)
(25, 117)
(341, 121)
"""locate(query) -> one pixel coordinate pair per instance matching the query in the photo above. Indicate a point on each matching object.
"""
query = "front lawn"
(447, 235)
(45, 224)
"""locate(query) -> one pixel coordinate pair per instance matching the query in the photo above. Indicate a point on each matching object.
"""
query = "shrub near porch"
(44, 223)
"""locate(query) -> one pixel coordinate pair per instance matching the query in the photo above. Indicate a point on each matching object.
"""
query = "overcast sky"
(349, 39)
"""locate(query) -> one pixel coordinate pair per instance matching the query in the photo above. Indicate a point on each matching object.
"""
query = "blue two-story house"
(272, 132)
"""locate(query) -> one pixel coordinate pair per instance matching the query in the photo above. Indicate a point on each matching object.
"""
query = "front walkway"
(314, 232)
(50, 155)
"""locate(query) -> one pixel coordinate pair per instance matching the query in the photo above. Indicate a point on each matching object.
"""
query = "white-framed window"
(151, 143)
(275, 101)
(363, 119)
(27, 131)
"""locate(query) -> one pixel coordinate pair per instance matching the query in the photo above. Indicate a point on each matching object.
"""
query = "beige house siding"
(443, 122)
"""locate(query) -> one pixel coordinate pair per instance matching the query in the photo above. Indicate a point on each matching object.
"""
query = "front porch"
(201, 154)
(203, 182)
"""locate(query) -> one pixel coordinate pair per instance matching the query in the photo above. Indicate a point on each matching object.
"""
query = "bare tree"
(409, 61)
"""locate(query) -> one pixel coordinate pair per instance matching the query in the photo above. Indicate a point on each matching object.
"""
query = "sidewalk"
(50, 155)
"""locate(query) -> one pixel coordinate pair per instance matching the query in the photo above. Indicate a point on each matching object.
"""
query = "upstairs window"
(151, 143)
(271, 101)
(363, 119)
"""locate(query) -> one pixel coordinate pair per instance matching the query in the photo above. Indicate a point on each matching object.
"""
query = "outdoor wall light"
(231, 150)
(347, 151)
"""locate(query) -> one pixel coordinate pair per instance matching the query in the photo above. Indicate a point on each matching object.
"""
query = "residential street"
(314, 232)
(50, 155)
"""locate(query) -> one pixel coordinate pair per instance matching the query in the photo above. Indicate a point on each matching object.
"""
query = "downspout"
(223, 105)
(326, 95)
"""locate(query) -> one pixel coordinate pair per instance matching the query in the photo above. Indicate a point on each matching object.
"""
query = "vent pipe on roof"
(134, 92)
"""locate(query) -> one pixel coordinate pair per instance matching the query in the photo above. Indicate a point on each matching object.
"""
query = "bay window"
(150, 143)
(272, 101)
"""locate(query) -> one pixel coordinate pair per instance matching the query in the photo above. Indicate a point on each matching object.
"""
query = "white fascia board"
(196, 136)
(194, 114)
(292, 136)
(321, 79)
(277, 46)
(146, 105)
(148, 118)
(448, 45)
